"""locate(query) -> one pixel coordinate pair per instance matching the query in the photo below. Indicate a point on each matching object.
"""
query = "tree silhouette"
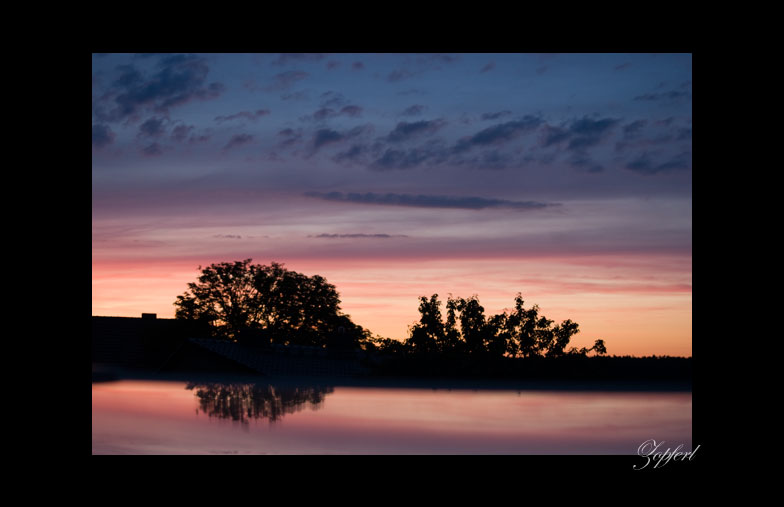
(526, 331)
(240, 299)
(427, 336)
(562, 334)
(598, 348)
(452, 340)
(520, 332)
(499, 337)
(473, 325)
(244, 402)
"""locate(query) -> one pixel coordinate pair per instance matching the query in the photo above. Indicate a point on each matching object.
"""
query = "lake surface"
(176, 417)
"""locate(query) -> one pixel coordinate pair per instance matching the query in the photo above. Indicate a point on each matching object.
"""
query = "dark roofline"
(125, 317)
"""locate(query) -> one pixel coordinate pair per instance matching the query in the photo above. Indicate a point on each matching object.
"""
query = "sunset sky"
(566, 177)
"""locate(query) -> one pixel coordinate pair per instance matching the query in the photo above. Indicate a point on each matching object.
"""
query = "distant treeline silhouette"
(264, 305)
(240, 301)
(574, 367)
(466, 331)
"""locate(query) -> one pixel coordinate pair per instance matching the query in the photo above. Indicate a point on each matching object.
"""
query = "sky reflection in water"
(150, 417)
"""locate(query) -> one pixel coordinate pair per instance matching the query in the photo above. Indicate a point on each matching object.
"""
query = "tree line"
(253, 303)
(466, 330)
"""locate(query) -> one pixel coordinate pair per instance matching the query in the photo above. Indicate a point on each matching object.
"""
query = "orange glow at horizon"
(638, 305)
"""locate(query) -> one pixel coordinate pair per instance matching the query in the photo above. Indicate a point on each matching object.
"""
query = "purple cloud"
(405, 130)
(414, 110)
(285, 58)
(284, 80)
(326, 136)
(180, 132)
(102, 135)
(499, 133)
(325, 113)
(333, 99)
(154, 127)
(644, 164)
(399, 75)
(406, 159)
(495, 116)
(351, 110)
(238, 140)
(152, 150)
(633, 129)
(581, 134)
(179, 80)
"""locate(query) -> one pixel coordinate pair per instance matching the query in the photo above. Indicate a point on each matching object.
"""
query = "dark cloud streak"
(248, 115)
(414, 110)
(645, 165)
(581, 134)
(495, 116)
(671, 95)
(433, 152)
(428, 201)
(399, 75)
(499, 133)
(358, 235)
(285, 80)
(405, 131)
(328, 136)
(285, 58)
(326, 113)
(152, 150)
(490, 66)
(633, 129)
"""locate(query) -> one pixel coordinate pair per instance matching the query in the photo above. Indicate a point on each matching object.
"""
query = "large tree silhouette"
(240, 299)
(246, 402)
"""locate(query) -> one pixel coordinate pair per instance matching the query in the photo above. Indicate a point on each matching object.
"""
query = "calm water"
(156, 417)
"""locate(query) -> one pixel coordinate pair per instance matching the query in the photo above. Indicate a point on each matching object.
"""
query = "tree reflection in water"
(243, 402)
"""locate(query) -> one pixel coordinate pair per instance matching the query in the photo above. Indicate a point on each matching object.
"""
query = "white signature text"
(653, 453)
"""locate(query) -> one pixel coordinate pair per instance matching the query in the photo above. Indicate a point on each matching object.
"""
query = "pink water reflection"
(145, 417)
